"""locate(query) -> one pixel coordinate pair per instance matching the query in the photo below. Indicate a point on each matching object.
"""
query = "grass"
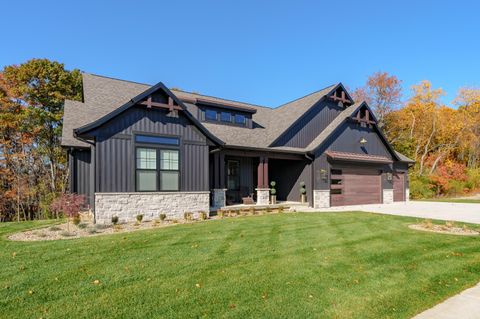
(452, 200)
(329, 265)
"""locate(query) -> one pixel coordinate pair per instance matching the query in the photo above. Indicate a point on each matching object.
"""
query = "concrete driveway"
(468, 213)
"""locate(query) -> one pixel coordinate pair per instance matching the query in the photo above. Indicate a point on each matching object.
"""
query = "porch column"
(218, 192)
(263, 192)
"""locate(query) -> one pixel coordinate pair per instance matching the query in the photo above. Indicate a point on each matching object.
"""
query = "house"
(141, 149)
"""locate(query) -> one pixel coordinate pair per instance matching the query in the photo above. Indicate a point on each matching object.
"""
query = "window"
(336, 191)
(169, 170)
(226, 117)
(210, 115)
(239, 119)
(146, 169)
(157, 169)
(157, 139)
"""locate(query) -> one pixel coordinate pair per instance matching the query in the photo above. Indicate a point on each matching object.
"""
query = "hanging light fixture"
(363, 141)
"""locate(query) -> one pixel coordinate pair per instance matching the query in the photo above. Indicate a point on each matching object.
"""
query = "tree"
(382, 92)
(31, 110)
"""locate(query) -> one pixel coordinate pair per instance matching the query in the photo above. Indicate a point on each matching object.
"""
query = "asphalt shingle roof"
(103, 95)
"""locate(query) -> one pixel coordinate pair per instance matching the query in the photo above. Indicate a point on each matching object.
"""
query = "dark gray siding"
(309, 126)
(347, 139)
(115, 165)
(321, 168)
(80, 174)
(288, 174)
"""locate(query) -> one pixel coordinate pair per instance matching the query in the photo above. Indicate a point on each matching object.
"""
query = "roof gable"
(147, 98)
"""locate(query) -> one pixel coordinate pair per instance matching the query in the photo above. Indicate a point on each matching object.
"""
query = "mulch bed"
(445, 229)
(62, 231)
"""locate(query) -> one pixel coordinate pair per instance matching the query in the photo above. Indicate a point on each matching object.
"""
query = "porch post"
(219, 196)
(265, 172)
(263, 192)
(260, 173)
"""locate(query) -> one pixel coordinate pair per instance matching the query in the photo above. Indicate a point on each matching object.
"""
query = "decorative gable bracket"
(340, 96)
(171, 106)
(364, 117)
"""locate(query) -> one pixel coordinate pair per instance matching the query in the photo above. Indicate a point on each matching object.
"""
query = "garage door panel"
(360, 186)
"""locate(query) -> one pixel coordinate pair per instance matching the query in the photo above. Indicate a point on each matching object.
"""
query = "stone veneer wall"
(388, 196)
(321, 198)
(263, 196)
(128, 205)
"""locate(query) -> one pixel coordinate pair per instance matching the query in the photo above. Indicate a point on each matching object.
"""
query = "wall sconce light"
(323, 174)
(363, 141)
(389, 176)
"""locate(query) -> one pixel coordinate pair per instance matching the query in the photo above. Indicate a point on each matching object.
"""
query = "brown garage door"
(398, 187)
(355, 186)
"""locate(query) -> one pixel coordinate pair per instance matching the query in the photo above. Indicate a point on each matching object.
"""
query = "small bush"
(220, 213)
(251, 211)
(82, 225)
(162, 217)
(139, 218)
(427, 223)
(114, 220)
(203, 215)
(281, 209)
(117, 227)
(54, 228)
(76, 220)
(188, 216)
(174, 221)
(156, 222)
(420, 187)
(450, 224)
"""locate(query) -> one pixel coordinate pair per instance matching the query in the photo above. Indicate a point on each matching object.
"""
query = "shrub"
(203, 215)
(420, 187)
(139, 218)
(188, 216)
(273, 191)
(69, 204)
(302, 189)
(174, 221)
(82, 225)
(76, 220)
(117, 227)
(281, 209)
(220, 213)
(115, 220)
(162, 217)
(473, 179)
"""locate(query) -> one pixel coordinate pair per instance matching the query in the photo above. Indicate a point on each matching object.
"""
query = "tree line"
(444, 141)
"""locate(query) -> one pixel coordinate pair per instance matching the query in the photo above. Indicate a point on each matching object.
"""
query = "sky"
(263, 52)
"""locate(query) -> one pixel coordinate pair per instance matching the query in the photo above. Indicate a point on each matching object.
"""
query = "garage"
(399, 187)
(355, 186)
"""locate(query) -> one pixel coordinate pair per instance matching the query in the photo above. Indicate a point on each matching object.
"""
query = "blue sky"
(263, 52)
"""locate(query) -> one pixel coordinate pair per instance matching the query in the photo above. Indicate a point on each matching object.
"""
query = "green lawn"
(338, 265)
(453, 200)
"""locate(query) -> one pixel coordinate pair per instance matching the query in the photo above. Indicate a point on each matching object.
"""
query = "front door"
(233, 182)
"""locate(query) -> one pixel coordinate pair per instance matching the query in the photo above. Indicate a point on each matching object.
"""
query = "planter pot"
(273, 199)
(303, 198)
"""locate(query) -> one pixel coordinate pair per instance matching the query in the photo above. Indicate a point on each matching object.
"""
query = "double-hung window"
(157, 163)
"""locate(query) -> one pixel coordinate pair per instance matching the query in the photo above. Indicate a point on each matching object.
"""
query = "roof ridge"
(307, 95)
(221, 98)
(116, 79)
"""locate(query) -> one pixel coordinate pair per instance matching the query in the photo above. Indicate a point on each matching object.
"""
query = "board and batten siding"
(80, 173)
(310, 125)
(115, 153)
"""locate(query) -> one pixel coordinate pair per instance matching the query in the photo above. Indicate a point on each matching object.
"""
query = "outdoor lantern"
(323, 174)
(363, 141)
(389, 176)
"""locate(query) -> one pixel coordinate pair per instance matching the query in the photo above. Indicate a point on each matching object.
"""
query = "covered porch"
(239, 178)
